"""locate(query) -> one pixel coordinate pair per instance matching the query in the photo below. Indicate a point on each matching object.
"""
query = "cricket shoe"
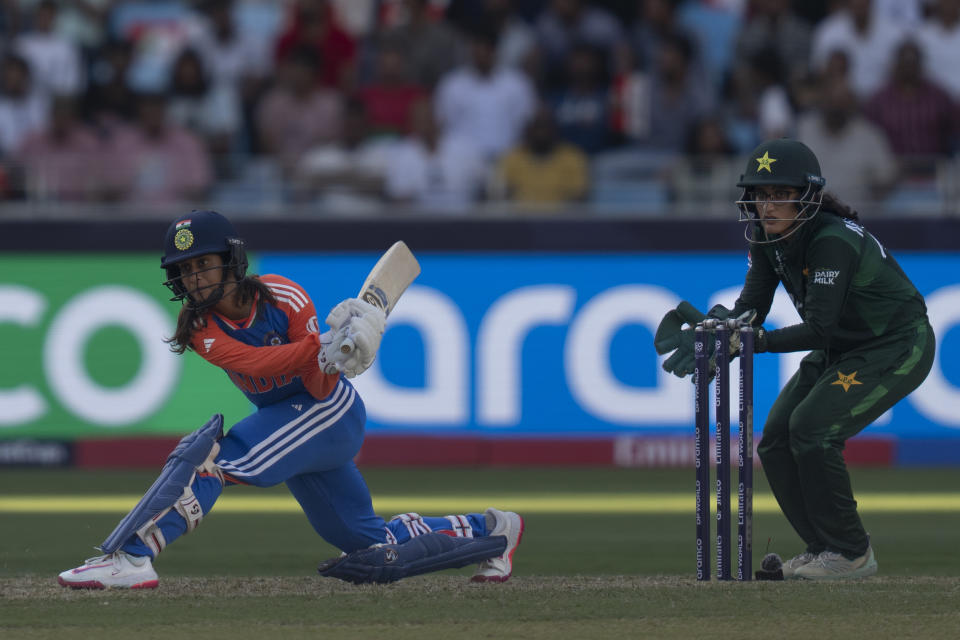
(790, 566)
(831, 565)
(498, 569)
(118, 570)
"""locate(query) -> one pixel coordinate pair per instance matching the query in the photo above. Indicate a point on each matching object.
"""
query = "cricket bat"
(387, 281)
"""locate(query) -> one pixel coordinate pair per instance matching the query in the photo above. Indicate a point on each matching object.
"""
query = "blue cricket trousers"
(310, 444)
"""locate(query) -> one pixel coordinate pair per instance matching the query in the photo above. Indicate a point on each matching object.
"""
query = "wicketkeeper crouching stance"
(308, 426)
(866, 329)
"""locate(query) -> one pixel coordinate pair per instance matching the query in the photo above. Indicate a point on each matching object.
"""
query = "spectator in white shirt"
(939, 40)
(210, 110)
(908, 13)
(485, 104)
(23, 110)
(230, 55)
(432, 171)
(868, 39)
(54, 60)
(345, 176)
(517, 42)
(852, 150)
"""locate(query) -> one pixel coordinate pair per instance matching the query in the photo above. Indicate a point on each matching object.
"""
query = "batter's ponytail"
(188, 321)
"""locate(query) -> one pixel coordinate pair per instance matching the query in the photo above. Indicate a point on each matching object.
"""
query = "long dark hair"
(190, 319)
(834, 205)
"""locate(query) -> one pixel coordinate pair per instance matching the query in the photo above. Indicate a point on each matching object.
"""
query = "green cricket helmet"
(780, 162)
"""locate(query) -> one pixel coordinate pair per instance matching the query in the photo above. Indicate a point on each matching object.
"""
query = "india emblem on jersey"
(183, 239)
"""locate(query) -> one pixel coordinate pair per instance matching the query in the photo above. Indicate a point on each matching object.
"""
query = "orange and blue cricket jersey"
(290, 329)
(306, 431)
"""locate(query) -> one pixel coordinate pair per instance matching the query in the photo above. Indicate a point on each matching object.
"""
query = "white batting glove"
(351, 308)
(330, 353)
(351, 346)
(365, 332)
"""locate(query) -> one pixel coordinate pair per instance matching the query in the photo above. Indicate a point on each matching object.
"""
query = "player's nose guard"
(175, 283)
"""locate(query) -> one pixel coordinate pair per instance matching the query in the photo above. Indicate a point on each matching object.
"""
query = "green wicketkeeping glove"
(719, 312)
(681, 362)
(670, 329)
(672, 336)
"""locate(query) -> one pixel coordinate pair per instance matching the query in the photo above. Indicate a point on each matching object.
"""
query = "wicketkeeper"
(864, 324)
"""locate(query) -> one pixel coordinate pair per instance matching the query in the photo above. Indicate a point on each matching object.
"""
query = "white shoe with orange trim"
(499, 569)
(118, 570)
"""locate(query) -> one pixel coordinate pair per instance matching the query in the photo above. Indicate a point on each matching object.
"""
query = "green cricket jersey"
(845, 285)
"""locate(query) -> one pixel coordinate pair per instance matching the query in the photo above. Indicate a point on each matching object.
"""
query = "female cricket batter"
(869, 338)
(305, 432)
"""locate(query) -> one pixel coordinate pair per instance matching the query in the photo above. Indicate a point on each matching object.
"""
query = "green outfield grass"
(606, 553)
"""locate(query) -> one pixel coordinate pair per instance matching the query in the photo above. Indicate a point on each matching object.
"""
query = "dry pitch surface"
(449, 606)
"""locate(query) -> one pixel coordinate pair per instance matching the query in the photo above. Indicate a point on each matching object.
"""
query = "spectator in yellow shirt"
(543, 172)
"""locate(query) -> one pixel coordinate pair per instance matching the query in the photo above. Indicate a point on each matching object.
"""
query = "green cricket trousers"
(826, 402)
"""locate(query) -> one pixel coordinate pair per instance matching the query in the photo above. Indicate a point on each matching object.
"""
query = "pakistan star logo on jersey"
(846, 380)
(765, 162)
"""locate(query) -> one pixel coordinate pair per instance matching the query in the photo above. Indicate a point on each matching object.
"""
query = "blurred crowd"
(456, 106)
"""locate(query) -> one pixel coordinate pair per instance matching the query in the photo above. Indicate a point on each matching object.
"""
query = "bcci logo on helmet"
(183, 239)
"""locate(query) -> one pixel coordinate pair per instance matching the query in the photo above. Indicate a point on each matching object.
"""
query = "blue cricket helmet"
(196, 234)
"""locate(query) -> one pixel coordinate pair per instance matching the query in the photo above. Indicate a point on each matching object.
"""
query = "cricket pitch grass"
(606, 554)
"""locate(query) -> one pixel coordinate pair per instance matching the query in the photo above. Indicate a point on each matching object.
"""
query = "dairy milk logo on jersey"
(825, 276)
